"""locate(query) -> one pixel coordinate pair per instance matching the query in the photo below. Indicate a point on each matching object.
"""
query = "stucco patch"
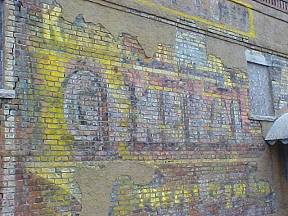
(149, 33)
(96, 183)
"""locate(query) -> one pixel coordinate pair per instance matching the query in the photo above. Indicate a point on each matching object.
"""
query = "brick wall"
(100, 127)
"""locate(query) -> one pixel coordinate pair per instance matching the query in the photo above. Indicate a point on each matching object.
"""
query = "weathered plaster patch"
(149, 33)
(227, 53)
(96, 183)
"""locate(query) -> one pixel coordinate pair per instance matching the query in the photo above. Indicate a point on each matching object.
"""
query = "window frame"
(261, 60)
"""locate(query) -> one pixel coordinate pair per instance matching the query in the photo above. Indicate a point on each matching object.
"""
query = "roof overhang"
(278, 131)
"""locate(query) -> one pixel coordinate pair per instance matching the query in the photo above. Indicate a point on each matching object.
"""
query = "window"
(1, 40)
(260, 91)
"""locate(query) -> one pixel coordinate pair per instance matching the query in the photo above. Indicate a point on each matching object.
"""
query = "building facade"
(142, 107)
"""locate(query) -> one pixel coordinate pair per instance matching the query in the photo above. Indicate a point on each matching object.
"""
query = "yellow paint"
(218, 67)
(263, 188)
(51, 28)
(250, 33)
(240, 190)
(180, 194)
(165, 197)
(228, 192)
(51, 70)
(56, 137)
(213, 190)
(57, 154)
(155, 197)
(124, 152)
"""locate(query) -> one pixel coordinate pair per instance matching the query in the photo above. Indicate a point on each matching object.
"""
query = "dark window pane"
(260, 90)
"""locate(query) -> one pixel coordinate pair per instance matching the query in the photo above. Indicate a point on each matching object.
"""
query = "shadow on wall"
(279, 158)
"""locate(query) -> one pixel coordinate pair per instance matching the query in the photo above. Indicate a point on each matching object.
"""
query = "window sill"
(262, 118)
(7, 94)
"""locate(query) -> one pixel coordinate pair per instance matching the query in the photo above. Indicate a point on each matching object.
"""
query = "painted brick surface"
(100, 128)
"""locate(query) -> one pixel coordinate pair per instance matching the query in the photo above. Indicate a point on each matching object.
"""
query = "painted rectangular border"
(250, 33)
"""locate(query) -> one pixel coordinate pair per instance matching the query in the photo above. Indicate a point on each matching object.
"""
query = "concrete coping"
(7, 94)
(258, 58)
(263, 118)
